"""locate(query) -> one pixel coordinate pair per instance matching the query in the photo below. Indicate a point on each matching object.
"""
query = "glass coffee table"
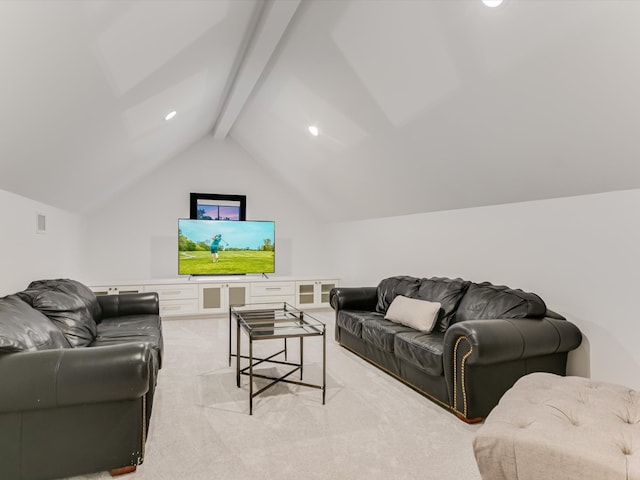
(272, 321)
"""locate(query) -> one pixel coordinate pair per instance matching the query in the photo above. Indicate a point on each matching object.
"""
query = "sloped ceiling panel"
(86, 86)
(437, 105)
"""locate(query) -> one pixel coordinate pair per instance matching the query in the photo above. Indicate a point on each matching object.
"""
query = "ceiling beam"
(269, 26)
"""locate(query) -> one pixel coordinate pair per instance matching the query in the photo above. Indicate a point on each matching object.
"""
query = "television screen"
(223, 247)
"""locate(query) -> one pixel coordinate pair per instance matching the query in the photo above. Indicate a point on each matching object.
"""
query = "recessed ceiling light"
(170, 115)
(492, 3)
(313, 130)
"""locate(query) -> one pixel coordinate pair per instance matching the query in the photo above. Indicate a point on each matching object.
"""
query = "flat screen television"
(225, 247)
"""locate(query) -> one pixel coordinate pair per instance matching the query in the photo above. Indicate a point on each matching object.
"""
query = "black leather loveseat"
(77, 376)
(482, 337)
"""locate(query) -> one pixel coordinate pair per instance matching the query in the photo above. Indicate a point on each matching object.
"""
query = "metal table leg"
(301, 355)
(250, 376)
(324, 365)
(237, 352)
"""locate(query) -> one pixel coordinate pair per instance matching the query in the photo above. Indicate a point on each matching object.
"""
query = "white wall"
(580, 254)
(27, 255)
(134, 237)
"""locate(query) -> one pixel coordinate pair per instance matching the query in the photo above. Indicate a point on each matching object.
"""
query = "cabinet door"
(306, 294)
(237, 294)
(324, 289)
(216, 298)
(212, 299)
(314, 293)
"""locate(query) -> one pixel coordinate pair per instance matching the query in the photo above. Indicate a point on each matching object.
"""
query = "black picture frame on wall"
(214, 206)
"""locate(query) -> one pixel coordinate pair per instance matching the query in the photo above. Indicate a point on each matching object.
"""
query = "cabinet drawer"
(272, 289)
(178, 307)
(174, 292)
(117, 289)
(290, 299)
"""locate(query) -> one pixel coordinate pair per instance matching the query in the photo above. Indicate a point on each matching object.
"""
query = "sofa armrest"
(484, 358)
(129, 304)
(65, 377)
(354, 298)
(502, 340)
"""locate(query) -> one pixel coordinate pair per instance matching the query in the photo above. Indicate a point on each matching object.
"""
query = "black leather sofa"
(77, 375)
(485, 337)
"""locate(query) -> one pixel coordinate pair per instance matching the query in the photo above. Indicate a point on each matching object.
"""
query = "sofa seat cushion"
(70, 315)
(352, 320)
(23, 328)
(131, 329)
(422, 350)
(487, 301)
(381, 333)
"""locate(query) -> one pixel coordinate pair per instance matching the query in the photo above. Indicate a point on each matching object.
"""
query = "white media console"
(212, 296)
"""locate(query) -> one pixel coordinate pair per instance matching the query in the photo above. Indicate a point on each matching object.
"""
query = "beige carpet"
(372, 426)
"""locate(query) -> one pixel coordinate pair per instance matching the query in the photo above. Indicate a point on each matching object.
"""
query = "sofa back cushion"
(71, 287)
(69, 313)
(485, 301)
(22, 328)
(447, 292)
(390, 288)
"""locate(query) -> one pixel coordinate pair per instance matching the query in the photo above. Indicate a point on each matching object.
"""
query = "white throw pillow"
(412, 312)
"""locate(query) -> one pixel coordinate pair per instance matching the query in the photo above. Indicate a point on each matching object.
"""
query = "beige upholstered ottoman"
(571, 428)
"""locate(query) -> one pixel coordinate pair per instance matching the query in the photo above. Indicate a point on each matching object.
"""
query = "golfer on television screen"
(215, 242)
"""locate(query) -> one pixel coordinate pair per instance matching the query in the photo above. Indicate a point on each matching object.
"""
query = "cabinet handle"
(273, 288)
(172, 292)
(171, 307)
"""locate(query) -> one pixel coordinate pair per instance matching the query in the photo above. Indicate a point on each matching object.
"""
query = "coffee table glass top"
(263, 321)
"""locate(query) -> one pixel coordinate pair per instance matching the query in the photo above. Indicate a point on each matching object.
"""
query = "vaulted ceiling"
(421, 105)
